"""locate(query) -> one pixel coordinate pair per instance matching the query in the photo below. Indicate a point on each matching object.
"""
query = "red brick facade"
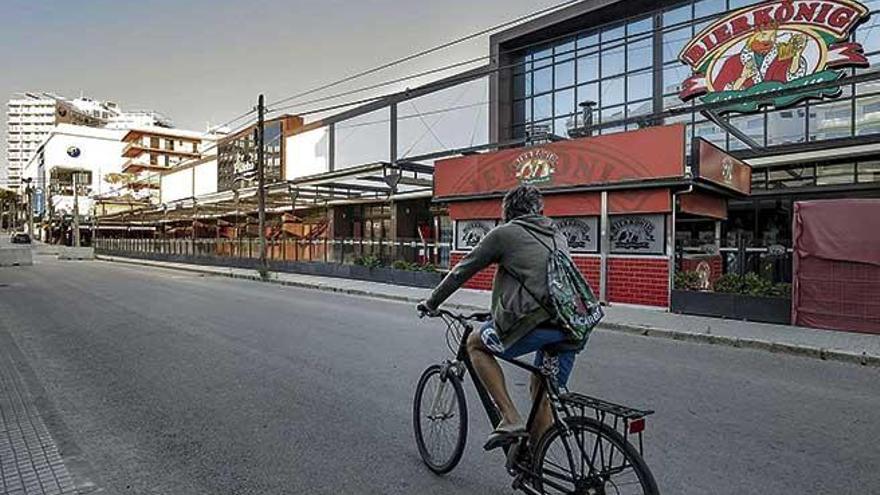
(480, 281)
(642, 281)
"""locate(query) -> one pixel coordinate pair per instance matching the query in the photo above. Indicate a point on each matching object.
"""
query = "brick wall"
(642, 281)
(482, 280)
(589, 266)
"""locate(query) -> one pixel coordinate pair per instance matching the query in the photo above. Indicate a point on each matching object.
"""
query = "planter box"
(733, 306)
(16, 256)
(356, 272)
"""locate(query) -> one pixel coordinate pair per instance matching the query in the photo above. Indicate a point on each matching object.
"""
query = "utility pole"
(75, 238)
(261, 184)
(30, 207)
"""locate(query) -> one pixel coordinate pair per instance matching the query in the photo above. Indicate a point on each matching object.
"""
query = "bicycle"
(575, 456)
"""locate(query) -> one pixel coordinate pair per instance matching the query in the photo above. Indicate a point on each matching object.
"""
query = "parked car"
(20, 238)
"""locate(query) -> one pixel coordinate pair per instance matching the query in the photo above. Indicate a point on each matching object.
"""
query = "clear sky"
(201, 61)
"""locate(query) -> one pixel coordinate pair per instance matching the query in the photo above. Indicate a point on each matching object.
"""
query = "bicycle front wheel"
(440, 419)
(591, 459)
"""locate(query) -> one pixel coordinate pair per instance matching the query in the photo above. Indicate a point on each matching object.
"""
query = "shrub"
(428, 267)
(687, 280)
(404, 265)
(729, 283)
(751, 284)
(368, 261)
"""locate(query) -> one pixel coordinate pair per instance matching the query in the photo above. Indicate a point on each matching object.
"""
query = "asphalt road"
(175, 383)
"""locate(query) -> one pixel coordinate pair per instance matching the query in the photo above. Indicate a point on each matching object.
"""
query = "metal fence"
(343, 251)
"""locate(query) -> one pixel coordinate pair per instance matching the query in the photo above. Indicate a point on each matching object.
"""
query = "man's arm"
(484, 254)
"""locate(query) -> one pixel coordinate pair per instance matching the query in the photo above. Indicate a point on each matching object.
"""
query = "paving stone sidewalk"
(822, 344)
(30, 462)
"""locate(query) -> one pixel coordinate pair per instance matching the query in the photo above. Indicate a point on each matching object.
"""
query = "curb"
(639, 330)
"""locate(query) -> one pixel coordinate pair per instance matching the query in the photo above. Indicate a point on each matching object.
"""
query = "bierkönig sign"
(770, 49)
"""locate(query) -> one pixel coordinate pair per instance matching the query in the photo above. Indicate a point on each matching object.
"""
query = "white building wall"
(307, 154)
(176, 185)
(100, 153)
(206, 178)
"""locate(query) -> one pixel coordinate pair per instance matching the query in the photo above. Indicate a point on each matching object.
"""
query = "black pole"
(261, 183)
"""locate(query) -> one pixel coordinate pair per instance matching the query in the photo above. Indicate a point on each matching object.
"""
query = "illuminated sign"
(770, 47)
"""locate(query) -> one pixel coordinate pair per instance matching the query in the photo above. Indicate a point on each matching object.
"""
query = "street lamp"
(29, 195)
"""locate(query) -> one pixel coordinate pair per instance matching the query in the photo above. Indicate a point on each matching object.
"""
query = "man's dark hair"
(522, 200)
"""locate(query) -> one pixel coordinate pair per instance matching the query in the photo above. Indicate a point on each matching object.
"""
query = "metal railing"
(343, 251)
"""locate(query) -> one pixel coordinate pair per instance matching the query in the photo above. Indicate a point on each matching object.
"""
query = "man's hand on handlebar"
(425, 310)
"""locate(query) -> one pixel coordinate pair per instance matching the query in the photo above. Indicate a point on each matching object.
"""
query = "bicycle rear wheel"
(440, 419)
(593, 460)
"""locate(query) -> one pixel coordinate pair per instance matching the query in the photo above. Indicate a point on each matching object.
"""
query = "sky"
(200, 61)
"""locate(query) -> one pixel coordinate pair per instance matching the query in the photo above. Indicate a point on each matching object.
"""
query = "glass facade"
(617, 65)
(238, 153)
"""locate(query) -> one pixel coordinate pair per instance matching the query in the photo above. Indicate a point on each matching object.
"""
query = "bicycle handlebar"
(479, 316)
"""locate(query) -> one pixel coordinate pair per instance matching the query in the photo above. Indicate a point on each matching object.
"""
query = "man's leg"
(492, 377)
(544, 418)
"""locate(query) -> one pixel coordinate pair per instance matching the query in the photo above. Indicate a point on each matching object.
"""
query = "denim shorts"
(559, 364)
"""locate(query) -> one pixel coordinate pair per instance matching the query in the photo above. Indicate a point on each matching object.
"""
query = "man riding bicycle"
(522, 322)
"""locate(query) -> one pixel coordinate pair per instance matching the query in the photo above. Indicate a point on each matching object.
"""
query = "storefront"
(616, 198)
(637, 64)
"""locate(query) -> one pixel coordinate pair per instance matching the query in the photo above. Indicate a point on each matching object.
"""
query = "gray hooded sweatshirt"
(521, 259)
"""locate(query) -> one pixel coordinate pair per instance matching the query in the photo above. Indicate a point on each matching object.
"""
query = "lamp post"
(29, 197)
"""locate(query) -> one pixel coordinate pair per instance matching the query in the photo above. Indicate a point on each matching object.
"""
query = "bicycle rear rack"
(632, 420)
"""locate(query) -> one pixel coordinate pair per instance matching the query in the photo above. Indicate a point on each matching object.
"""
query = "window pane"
(636, 109)
(786, 126)
(868, 34)
(759, 179)
(588, 68)
(703, 8)
(612, 114)
(673, 76)
(790, 177)
(736, 4)
(867, 115)
(543, 107)
(542, 80)
(640, 26)
(564, 51)
(835, 174)
(640, 85)
(612, 62)
(711, 133)
(640, 54)
(869, 171)
(542, 57)
(831, 121)
(752, 126)
(614, 33)
(677, 15)
(588, 92)
(564, 75)
(519, 111)
(673, 42)
(519, 86)
(562, 125)
(612, 92)
(589, 40)
(564, 102)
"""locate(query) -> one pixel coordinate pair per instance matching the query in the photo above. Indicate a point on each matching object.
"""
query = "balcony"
(136, 149)
(137, 166)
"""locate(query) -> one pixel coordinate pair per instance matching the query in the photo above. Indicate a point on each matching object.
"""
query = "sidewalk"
(823, 344)
(30, 460)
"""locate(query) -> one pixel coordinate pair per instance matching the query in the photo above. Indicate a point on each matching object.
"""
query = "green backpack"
(571, 298)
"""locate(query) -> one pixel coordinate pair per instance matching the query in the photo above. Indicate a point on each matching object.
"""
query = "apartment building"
(31, 117)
